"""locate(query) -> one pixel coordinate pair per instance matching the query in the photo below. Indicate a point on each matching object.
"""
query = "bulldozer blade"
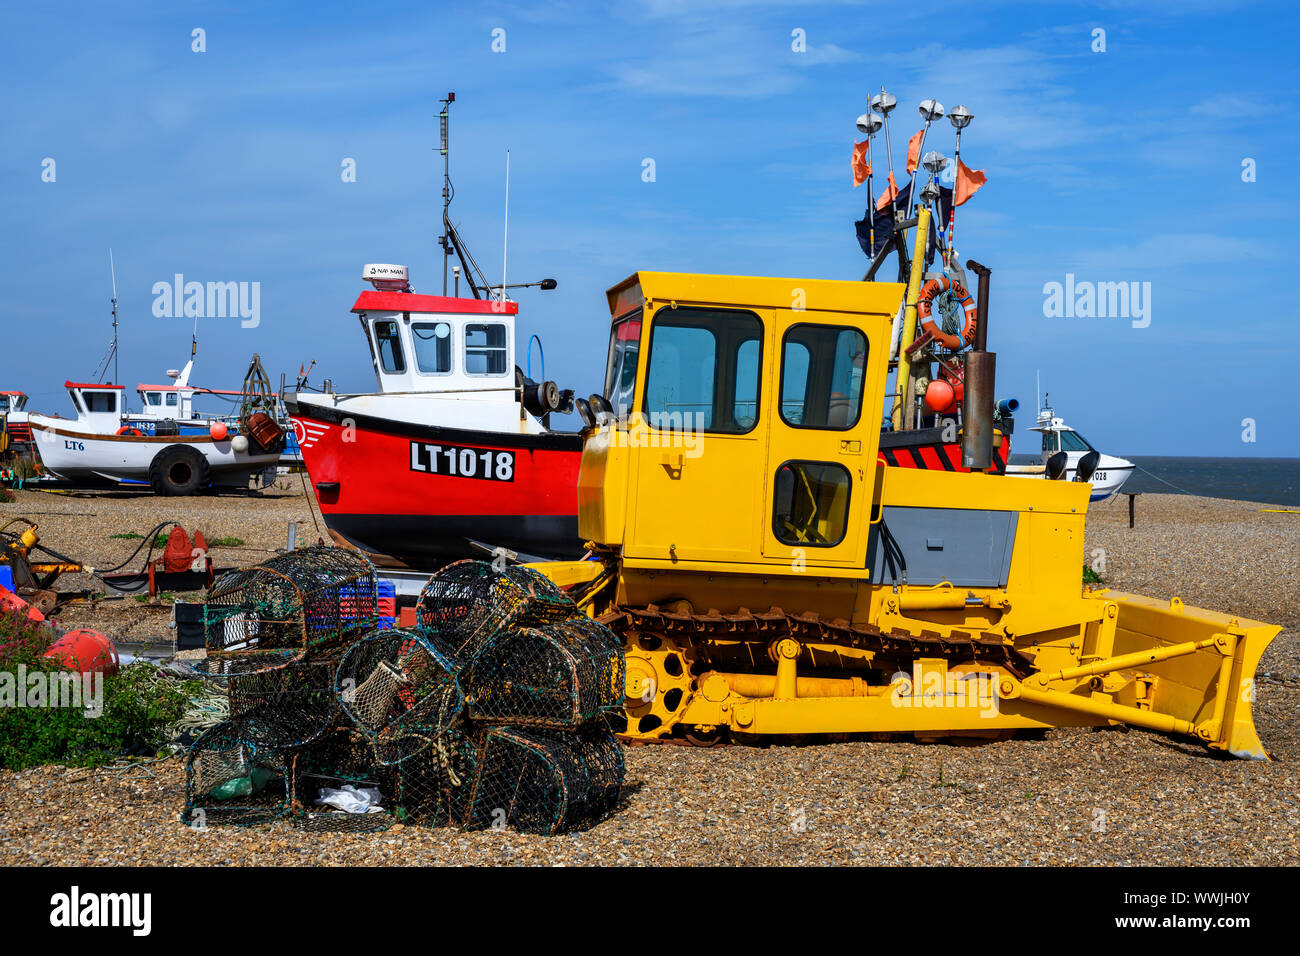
(1208, 690)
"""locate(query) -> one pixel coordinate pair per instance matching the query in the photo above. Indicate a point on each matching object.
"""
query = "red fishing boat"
(452, 453)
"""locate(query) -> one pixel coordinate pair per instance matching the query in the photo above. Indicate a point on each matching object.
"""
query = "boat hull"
(69, 453)
(416, 495)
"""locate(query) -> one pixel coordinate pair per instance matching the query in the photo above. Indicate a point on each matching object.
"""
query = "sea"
(1269, 480)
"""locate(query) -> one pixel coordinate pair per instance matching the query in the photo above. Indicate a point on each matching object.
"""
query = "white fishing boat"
(104, 442)
(1107, 478)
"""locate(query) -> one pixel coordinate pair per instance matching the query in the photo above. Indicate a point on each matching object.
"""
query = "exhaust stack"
(980, 381)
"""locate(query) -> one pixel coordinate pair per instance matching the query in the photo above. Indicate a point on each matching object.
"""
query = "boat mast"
(112, 271)
(443, 143)
(505, 237)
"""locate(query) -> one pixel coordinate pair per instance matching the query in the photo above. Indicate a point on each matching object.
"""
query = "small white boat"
(178, 456)
(1110, 474)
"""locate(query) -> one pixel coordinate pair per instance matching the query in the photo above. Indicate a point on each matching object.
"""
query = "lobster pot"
(560, 676)
(270, 614)
(434, 785)
(289, 706)
(469, 602)
(400, 688)
(342, 758)
(232, 781)
(538, 782)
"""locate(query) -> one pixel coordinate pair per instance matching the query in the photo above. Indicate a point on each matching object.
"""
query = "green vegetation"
(1090, 576)
(229, 542)
(139, 705)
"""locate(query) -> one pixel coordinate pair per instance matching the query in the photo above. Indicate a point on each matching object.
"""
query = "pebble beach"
(1071, 796)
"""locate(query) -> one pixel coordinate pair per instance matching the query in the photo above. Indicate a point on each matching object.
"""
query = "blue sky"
(225, 165)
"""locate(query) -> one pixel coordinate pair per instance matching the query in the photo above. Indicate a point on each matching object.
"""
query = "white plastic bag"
(351, 799)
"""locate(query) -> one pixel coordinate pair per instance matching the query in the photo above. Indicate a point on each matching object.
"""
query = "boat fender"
(929, 292)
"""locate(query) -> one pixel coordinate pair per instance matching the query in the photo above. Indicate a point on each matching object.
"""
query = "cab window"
(620, 366)
(811, 504)
(153, 398)
(821, 376)
(171, 399)
(389, 344)
(704, 363)
(101, 401)
(485, 349)
(432, 347)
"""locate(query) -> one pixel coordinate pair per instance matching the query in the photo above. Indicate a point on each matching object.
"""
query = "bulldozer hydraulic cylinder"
(1137, 659)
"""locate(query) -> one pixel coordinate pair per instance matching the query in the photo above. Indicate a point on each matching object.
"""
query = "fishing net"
(340, 760)
(229, 780)
(263, 616)
(400, 688)
(468, 603)
(434, 785)
(290, 705)
(561, 675)
(538, 782)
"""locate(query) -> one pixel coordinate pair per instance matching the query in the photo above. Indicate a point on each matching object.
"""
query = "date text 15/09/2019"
(460, 461)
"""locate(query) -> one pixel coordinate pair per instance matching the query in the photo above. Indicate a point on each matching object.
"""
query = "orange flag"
(968, 181)
(861, 168)
(914, 151)
(889, 195)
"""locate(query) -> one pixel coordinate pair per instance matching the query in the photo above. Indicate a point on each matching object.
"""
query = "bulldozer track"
(898, 648)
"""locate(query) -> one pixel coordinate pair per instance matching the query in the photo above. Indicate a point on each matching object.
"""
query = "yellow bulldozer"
(770, 576)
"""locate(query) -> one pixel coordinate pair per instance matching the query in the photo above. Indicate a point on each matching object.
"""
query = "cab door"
(698, 437)
(823, 437)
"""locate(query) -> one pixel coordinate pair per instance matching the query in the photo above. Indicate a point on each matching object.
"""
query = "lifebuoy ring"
(928, 293)
(128, 430)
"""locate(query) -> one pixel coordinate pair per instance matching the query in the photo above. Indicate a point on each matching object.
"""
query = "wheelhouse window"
(171, 399)
(704, 363)
(101, 401)
(432, 347)
(1073, 441)
(388, 342)
(485, 349)
(811, 504)
(821, 376)
(620, 368)
(153, 398)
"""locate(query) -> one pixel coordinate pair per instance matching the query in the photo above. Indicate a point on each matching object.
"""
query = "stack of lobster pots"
(489, 713)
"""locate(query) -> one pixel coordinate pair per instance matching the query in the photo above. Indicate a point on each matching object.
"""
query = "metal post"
(903, 381)
(982, 304)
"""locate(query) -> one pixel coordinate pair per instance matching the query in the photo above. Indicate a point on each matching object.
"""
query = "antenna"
(444, 147)
(505, 239)
(112, 271)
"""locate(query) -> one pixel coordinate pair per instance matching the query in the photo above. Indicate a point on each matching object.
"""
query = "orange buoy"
(939, 395)
(218, 431)
(86, 651)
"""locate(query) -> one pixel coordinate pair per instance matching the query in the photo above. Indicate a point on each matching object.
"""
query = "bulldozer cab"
(749, 410)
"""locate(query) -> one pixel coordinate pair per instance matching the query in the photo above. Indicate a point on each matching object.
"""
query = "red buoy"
(939, 395)
(218, 431)
(86, 651)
